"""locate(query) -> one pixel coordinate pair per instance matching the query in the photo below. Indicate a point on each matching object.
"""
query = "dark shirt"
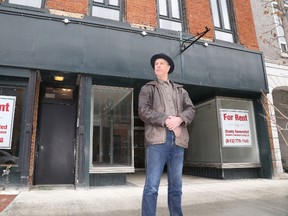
(166, 89)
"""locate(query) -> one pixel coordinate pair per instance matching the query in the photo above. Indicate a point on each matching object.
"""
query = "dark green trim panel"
(24, 155)
(15, 72)
(263, 140)
(45, 42)
(83, 136)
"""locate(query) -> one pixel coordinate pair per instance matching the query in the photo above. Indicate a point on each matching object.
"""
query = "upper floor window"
(170, 14)
(30, 3)
(279, 28)
(108, 9)
(221, 13)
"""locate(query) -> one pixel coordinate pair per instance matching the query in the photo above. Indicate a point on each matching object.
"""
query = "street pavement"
(201, 197)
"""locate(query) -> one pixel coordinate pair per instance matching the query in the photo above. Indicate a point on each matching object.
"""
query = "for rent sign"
(7, 109)
(235, 127)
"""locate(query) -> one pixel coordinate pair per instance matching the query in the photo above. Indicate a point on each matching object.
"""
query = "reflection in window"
(59, 93)
(221, 14)
(112, 127)
(30, 3)
(170, 14)
(10, 156)
(107, 9)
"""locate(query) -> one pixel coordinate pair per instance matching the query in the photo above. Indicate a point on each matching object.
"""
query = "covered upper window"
(107, 9)
(221, 12)
(170, 14)
(30, 3)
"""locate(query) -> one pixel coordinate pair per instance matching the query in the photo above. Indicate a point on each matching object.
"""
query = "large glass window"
(112, 130)
(30, 3)
(170, 14)
(107, 9)
(10, 125)
(221, 14)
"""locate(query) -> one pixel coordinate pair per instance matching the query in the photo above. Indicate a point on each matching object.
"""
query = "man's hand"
(177, 131)
(172, 122)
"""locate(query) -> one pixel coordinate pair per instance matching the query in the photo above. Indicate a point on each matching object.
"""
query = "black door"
(55, 146)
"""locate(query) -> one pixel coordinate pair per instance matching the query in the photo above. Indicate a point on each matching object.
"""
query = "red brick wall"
(199, 16)
(141, 12)
(73, 6)
(245, 24)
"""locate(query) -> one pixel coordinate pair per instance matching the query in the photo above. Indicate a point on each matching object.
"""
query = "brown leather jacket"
(151, 110)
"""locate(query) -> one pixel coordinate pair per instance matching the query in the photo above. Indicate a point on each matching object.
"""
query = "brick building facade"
(102, 49)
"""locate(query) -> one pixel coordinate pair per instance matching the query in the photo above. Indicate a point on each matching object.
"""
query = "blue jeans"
(157, 155)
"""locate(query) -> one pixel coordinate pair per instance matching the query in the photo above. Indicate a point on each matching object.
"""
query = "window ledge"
(224, 165)
(123, 169)
(284, 55)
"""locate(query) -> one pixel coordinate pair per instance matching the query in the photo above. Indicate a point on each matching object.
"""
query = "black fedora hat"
(162, 56)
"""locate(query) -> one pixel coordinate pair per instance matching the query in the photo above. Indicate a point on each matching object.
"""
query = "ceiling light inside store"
(59, 78)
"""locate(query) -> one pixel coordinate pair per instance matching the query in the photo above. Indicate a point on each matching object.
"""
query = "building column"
(274, 141)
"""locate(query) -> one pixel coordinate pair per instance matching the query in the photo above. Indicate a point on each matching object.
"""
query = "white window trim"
(26, 3)
(277, 22)
(169, 17)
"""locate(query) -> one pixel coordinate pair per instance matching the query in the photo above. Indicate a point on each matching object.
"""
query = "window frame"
(23, 5)
(114, 168)
(21, 117)
(222, 28)
(169, 17)
(106, 5)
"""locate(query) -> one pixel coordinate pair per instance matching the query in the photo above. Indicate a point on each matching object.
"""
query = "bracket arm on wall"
(191, 42)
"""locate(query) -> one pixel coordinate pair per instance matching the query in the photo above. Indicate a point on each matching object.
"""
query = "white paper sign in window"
(236, 129)
(7, 109)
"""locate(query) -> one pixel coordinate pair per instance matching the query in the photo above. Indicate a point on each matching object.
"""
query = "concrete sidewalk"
(201, 197)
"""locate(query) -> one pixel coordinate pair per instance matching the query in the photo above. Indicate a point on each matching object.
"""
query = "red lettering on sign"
(4, 107)
(1, 140)
(228, 117)
(241, 117)
(3, 127)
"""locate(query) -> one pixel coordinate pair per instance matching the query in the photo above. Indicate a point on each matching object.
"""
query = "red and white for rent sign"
(235, 127)
(7, 109)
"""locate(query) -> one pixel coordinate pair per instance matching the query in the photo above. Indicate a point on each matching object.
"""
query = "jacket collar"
(155, 83)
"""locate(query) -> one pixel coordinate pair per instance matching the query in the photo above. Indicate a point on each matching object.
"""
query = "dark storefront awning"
(42, 41)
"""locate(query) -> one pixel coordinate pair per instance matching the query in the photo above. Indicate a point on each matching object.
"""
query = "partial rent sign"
(235, 128)
(7, 109)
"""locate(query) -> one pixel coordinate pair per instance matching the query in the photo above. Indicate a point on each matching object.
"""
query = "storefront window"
(238, 130)
(112, 130)
(11, 100)
(232, 141)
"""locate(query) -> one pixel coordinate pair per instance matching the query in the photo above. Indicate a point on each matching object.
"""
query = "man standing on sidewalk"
(166, 109)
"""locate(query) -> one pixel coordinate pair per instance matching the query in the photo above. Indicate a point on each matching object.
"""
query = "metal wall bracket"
(189, 42)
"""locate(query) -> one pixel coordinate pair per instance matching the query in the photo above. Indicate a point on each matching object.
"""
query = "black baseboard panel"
(107, 179)
(210, 172)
